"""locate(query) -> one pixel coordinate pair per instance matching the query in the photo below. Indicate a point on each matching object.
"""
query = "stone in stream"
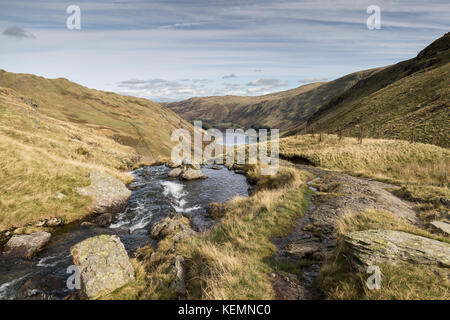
(109, 194)
(174, 164)
(371, 247)
(175, 172)
(27, 245)
(192, 174)
(103, 264)
(104, 220)
(441, 227)
(177, 226)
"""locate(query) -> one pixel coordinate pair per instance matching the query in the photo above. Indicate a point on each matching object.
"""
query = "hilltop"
(284, 110)
(139, 123)
(408, 100)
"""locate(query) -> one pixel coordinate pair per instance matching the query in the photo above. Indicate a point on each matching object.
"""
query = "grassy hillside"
(394, 160)
(41, 157)
(138, 123)
(54, 132)
(408, 99)
(286, 110)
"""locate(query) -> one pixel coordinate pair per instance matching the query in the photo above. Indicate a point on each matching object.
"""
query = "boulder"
(194, 166)
(27, 245)
(192, 174)
(175, 172)
(174, 163)
(177, 226)
(441, 227)
(109, 194)
(105, 219)
(216, 167)
(103, 264)
(371, 247)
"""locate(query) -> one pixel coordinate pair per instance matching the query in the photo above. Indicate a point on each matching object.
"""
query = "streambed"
(153, 197)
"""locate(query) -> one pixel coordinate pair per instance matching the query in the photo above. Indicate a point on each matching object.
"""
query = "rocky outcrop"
(103, 264)
(26, 246)
(109, 194)
(371, 247)
(441, 227)
(178, 226)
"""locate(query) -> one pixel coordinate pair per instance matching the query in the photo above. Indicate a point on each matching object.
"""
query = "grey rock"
(26, 246)
(103, 264)
(109, 194)
(445, 202)
(371, 247)
(174, 164)
(105, 219)
(441, 226)
(171, 226)
(175, 172)
(192, 174)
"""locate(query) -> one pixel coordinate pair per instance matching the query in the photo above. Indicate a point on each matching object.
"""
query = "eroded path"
(313, 241)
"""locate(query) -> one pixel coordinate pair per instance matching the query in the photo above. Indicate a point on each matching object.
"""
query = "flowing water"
(153, 197)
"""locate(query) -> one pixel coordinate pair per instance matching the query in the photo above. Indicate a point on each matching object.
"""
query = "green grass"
(235, 259)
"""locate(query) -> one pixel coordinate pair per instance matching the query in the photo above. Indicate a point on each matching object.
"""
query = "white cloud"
(17, 32)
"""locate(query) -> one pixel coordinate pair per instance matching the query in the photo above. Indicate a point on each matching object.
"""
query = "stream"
(153, 197)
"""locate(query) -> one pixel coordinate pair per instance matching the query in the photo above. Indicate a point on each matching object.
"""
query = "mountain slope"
(286, 110)
(410, 98)
(42, 157)
(144, 125)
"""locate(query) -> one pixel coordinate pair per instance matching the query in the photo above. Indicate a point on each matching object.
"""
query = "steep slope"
(286, 110)
(144, 125)
(41, 157)
(408, 99)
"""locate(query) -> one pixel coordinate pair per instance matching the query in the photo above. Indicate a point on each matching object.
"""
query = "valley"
(362, 182)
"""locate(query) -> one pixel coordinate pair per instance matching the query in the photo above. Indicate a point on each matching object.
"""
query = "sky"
(169, 50)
